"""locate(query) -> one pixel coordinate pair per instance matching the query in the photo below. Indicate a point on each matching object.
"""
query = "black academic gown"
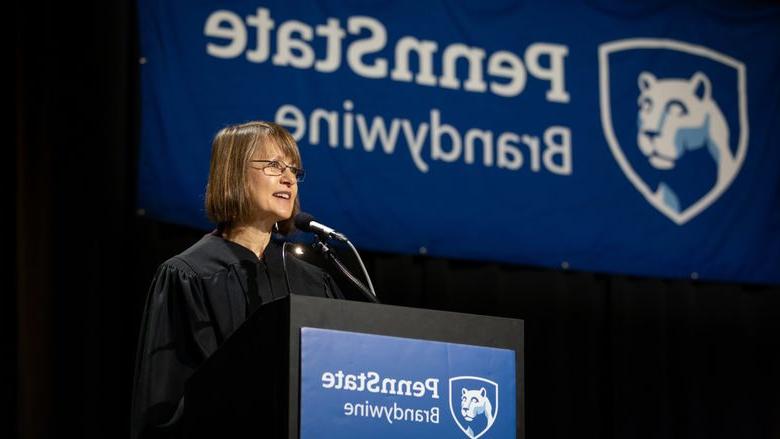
(196, 300)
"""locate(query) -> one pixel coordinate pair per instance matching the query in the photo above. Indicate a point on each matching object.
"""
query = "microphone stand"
(323, 248)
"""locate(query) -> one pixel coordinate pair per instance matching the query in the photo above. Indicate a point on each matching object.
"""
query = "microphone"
(306, 222)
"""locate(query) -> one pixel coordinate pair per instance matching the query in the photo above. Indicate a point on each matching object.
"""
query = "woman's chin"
(283, 215)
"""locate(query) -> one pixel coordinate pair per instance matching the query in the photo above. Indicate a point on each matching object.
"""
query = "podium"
(252, 385)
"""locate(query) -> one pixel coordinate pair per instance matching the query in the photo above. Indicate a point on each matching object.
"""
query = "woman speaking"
(199, 297)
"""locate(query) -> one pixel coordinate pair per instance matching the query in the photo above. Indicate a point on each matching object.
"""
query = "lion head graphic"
(676, 116)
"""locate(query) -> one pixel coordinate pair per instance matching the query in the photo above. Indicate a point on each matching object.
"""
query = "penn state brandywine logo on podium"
(473, 404)
(675, 117)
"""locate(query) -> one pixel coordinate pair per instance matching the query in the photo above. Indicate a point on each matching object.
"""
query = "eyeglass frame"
(299, 173)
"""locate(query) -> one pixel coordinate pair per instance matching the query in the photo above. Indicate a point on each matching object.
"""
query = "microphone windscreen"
(303, 221)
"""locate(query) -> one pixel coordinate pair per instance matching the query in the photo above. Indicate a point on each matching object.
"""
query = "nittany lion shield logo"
(675, 117)
(473, 404)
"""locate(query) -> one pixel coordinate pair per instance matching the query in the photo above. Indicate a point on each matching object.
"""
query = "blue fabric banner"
(361, 385)
(604, 136)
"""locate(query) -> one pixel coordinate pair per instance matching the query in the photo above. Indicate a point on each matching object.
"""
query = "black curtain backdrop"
(606, 356)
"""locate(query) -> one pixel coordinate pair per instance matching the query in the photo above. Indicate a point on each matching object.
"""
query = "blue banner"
(360, 385)
(602, 135)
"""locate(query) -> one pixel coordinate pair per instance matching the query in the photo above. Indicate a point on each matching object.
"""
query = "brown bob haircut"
(228, 196)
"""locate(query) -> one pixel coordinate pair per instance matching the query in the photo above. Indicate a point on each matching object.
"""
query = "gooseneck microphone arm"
(323, 247)
(362, 267)
(306, 222)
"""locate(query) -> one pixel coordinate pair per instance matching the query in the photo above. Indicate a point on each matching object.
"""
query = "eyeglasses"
(275, 168)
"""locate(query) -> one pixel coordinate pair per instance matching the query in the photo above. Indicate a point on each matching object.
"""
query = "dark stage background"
(606, 356)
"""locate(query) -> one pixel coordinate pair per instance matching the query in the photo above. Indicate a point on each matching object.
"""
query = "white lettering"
(505, 64)
(332, 120)
(415, 142)
(388, 386)
(263, 23)
(374, 43)
(533, 144)
(554, 73)
(378, 130)
(235, 32)
(373, 381)
(334, 34)
(553, 152)
(432, 384)
(290, 117)
(292, 51)
(425, 50)
(509, 155)
(418, 389)
(392, 386)
(327, 380)
(562, 148)
(437, 129)
(486, 138)
(474, 55)
(348, 118)
(350, 382)
(295, 47)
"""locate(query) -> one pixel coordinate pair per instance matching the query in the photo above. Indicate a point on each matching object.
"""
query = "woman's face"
(274, 196)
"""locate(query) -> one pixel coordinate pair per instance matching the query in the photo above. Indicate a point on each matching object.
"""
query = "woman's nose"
(287, 177)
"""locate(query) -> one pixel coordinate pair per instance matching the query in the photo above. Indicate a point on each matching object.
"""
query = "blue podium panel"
(356, 385)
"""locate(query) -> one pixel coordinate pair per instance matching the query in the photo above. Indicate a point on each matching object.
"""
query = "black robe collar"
(266, 278)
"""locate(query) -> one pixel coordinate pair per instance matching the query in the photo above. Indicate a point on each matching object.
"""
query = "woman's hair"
(228, 196)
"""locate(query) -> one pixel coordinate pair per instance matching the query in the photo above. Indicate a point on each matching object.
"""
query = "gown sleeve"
(175, 338)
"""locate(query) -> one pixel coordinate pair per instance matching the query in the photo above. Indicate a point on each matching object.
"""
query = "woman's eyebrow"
(279, 156)
(265, 157)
